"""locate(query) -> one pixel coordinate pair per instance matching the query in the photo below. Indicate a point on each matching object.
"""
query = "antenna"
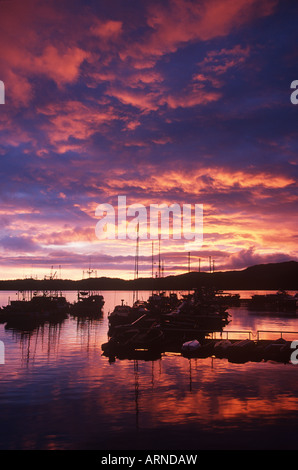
(152, 260)
(159, 267)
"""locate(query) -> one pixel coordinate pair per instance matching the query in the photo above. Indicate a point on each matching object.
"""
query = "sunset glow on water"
(70, 396)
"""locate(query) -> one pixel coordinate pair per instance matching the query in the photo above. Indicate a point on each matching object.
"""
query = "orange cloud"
(195, 180)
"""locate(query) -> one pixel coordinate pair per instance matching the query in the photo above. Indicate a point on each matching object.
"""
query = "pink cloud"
(187, 21)
(131, 125)
(192, 97)
(62, 66)
(217, 63)
(75, 119)
(251, 256)
(107, 29)
(31, 50)
(144, 101)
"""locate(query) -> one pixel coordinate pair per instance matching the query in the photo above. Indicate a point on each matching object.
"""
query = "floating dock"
(235, 346)
(247, 346)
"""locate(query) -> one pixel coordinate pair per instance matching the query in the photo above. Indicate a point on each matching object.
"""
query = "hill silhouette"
(271, 276)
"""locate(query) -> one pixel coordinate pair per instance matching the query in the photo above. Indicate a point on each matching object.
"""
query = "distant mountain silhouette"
(272, 276)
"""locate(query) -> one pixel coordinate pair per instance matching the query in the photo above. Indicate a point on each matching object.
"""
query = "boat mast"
(152, 266)
(136, 276)
(159, 265)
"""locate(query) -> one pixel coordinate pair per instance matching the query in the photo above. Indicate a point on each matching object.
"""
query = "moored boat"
(38, 309)
(125, 314)
(241, 351)
(134, 338)
(87, 304)
(281, 302)
(221, 347)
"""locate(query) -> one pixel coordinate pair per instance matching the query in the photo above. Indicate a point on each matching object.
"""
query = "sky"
(161, 101)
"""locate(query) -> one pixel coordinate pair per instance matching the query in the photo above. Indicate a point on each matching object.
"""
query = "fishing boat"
(124, 314)
(39, 308)
(280, 302)
(199, 311)
(88, 303)
(228, 299)
(159, 303)
(135, 337)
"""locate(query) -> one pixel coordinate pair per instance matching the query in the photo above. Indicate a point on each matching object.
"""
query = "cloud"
(18, 244)
(193, 97)
(62, 66)
(32, 50)
(107, 29)
(164, 101)
(73, 121)
(249, 257)
(146, 102)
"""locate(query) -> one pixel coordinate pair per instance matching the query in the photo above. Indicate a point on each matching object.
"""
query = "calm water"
(58, 392)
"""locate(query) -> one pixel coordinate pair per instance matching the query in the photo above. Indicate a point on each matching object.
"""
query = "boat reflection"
(201, 393)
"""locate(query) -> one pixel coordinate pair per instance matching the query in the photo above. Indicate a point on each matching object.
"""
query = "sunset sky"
(163, 101)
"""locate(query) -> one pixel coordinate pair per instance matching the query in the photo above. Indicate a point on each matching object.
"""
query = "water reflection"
(209, 394)
(56, 380)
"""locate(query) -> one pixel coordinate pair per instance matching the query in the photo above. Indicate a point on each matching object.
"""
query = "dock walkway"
(244, 346)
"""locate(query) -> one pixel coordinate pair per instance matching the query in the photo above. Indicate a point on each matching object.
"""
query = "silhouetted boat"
(160, 303)
(221, 347)
(179, 319)
(125, 314)
(35, 311)
(135, 337)
(198, 349)
(199, 311)
(278, 351)
(280, 302)
(88, 304)
(241, 351)
(190, 346)
(228, 299)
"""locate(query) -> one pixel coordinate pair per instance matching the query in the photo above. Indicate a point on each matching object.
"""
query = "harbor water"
(58, 392)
